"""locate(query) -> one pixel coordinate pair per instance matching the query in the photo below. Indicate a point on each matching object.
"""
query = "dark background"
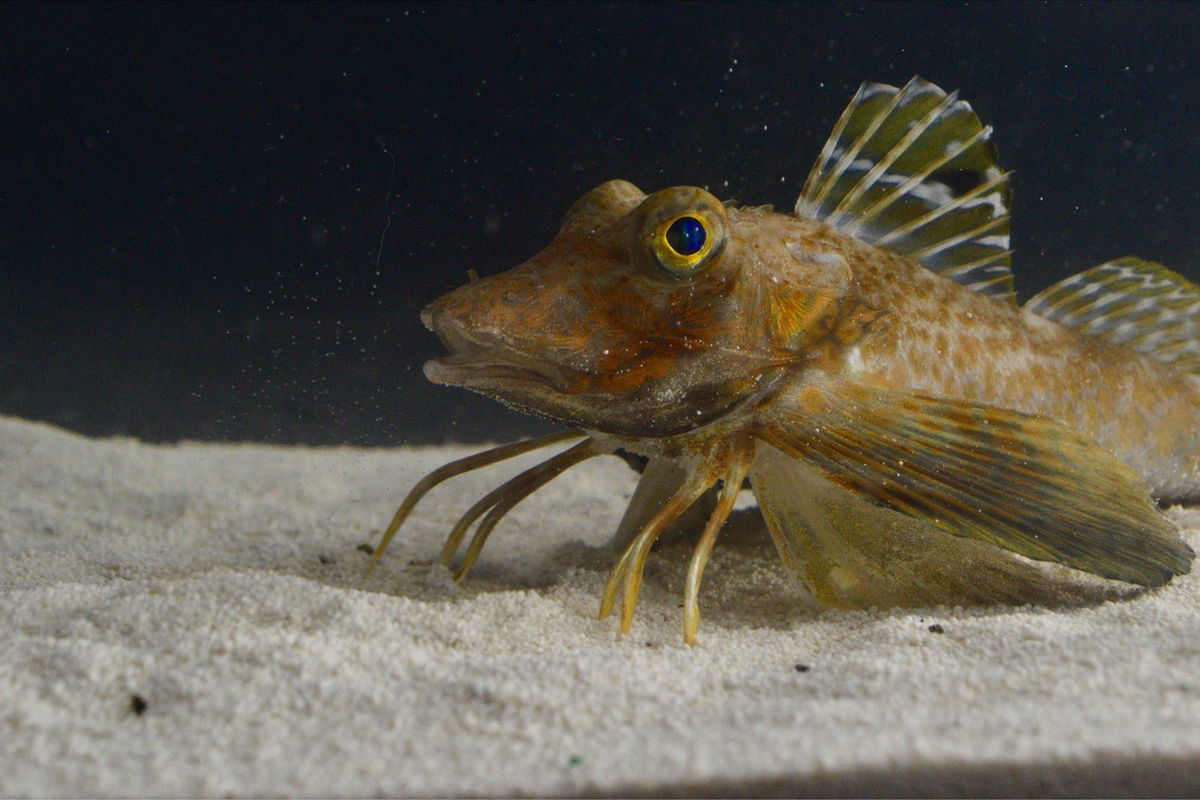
(221, 221)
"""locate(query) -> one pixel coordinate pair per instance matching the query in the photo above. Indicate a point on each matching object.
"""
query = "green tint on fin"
(1023, 483)
(1130, 302)
(914, 170)
(851, 553)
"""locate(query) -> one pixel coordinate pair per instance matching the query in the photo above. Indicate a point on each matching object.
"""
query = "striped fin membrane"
(913, 170)
(1130, 302)
(1027, 484)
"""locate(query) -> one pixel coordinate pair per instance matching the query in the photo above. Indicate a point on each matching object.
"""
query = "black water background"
(220, 222)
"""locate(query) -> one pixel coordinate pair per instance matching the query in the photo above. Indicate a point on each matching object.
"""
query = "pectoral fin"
(1027, 484)
(852, 553)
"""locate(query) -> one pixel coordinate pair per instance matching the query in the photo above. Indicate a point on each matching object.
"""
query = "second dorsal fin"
(913, 170)
(1131, 302)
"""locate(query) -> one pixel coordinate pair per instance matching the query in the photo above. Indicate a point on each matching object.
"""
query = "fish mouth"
(477, 360)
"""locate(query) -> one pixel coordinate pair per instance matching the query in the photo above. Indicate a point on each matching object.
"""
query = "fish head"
(647, 315)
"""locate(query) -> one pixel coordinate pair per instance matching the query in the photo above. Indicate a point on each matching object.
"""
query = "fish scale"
(910, 434)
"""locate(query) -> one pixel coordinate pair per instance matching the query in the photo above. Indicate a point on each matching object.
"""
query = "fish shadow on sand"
(745, 584)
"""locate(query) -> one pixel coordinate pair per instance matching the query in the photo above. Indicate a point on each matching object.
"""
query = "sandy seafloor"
(223, 586)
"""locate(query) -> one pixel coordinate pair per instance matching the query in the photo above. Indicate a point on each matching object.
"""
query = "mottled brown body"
(911, 435)
(942, 339)
(797, 295)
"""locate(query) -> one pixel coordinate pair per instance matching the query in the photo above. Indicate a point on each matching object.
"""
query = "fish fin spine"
(913, 170)
(1130, 302)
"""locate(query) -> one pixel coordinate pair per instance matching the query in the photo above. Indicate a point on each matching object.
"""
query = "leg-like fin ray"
(660, 480)
(462, 465)
(516, 490)
(629, 568)
(724, 507)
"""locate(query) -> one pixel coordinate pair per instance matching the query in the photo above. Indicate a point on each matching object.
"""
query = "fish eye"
(682, 230)
(683, 244)
(686, 236)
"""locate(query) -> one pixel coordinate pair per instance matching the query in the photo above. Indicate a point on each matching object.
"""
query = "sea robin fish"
(911, 435)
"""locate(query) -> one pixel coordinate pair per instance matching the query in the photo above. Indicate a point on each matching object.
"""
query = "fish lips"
(483, 361)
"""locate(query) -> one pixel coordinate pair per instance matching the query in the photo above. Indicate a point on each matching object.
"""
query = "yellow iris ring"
(674, 261)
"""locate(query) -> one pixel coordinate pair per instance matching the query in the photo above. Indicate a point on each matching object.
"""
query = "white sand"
(195, 577)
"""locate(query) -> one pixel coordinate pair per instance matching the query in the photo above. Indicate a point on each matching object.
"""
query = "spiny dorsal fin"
(913, 170)
(1130, 302)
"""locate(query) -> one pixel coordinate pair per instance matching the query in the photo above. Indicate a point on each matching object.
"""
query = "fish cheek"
(645, 357)
(665, 389)
(643, 329)
(653, 410)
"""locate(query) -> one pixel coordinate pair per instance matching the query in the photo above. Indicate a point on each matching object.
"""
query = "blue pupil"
(686, 236)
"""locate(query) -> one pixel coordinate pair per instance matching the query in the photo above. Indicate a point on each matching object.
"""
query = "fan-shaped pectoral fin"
(1023, 483)
(848, 552)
